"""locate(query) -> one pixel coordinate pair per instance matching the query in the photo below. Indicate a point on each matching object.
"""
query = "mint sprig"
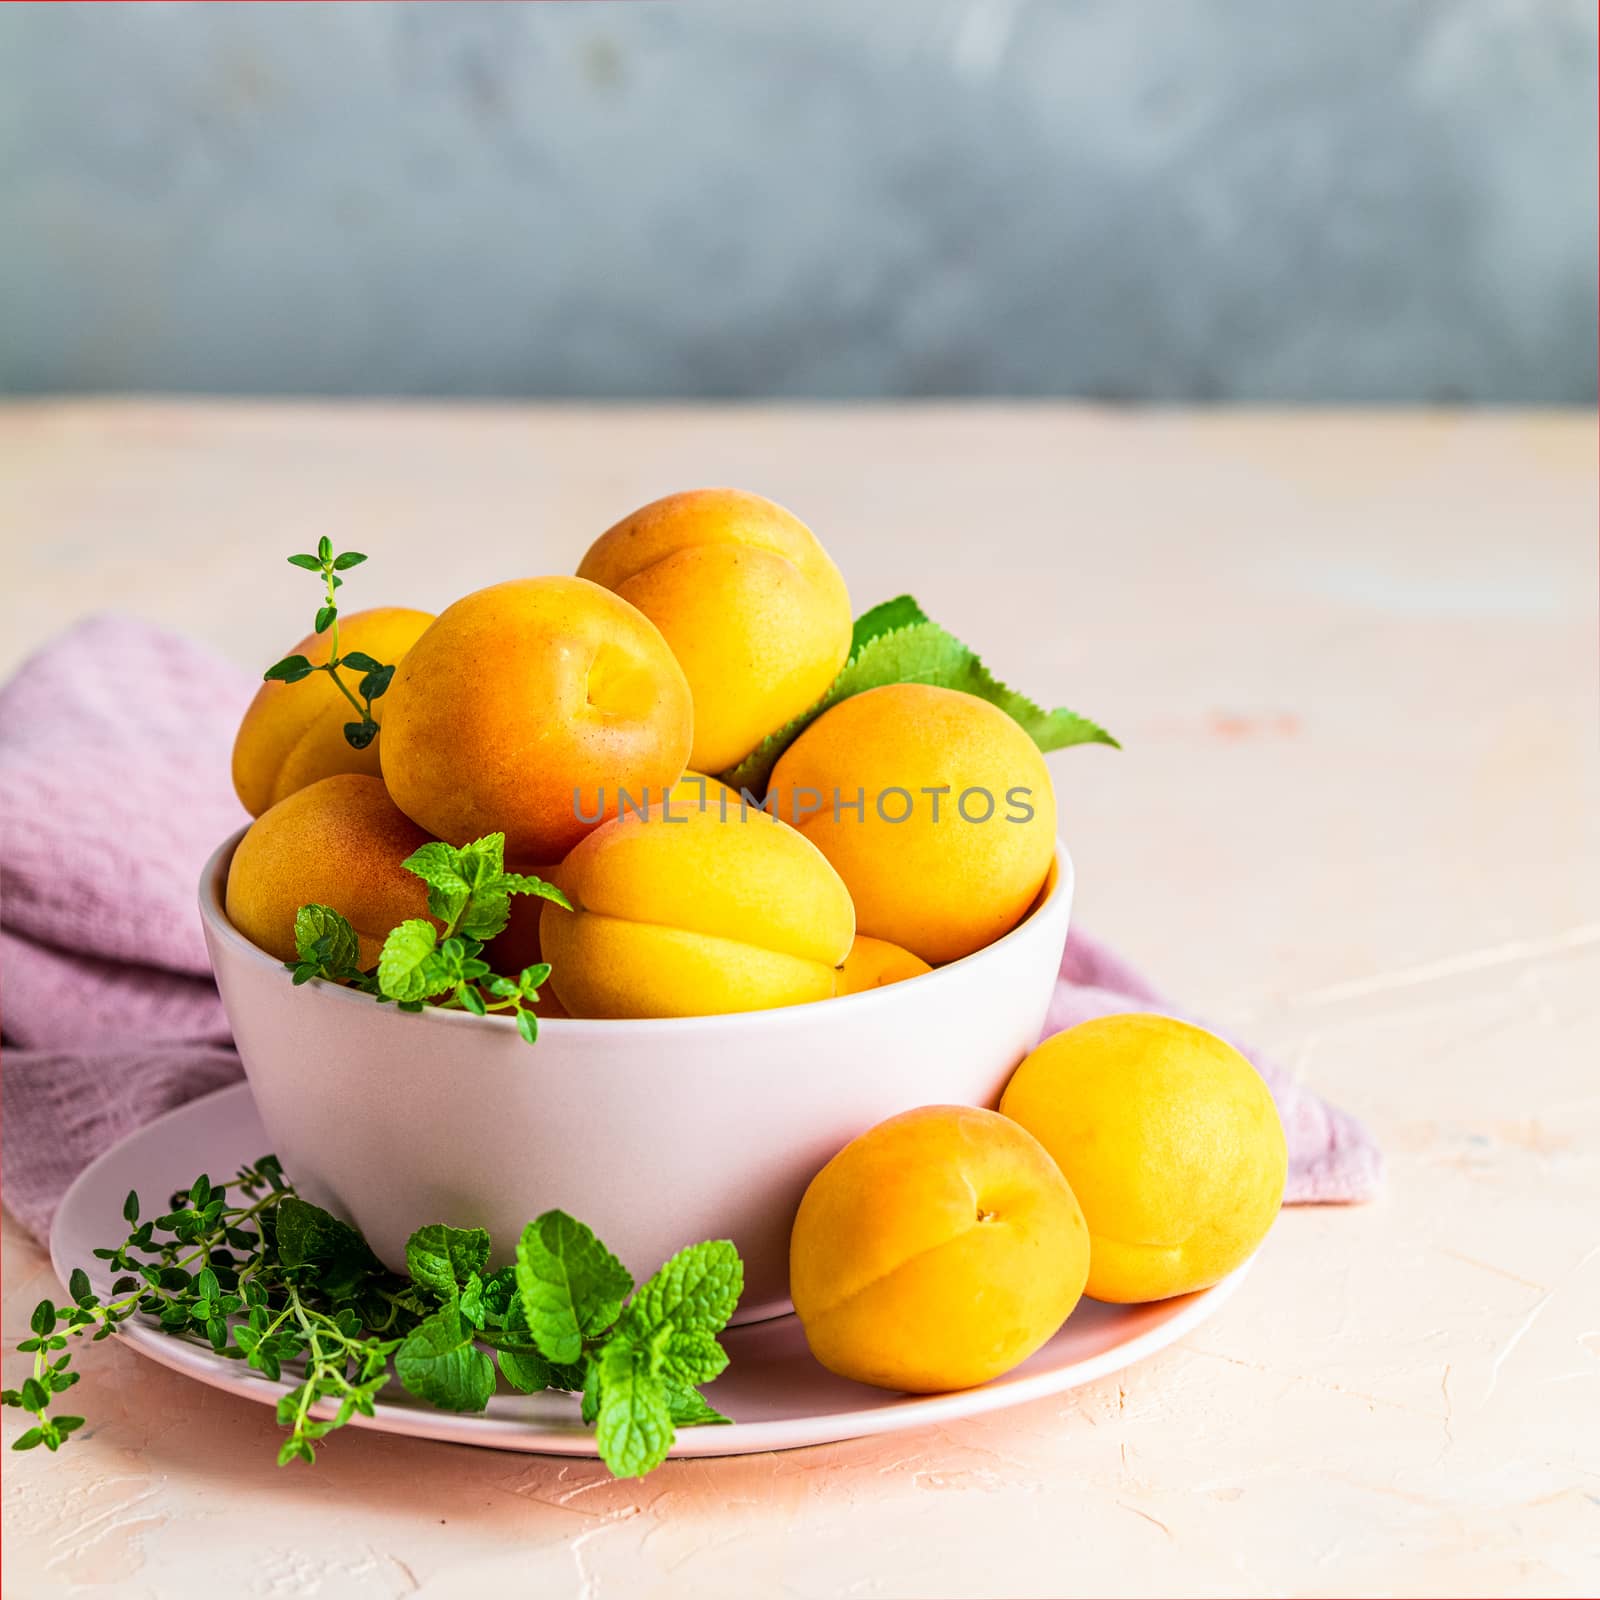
(643, 1358)
(375, 675)
(270, 1280)
(896, 642)
(469, 891)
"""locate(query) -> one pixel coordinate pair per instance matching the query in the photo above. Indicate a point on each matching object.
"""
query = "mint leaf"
(439, 1363)
(634, 1429)
(589, 1410)
(408, 968)
(438, 867)
(487, 912)
(315, 924)
(441, 1259)
(572, 1287)
(690, 1409)
(524, 1371)
(896, 643)
(306, 1236)
(692, 1356)
(484, 860)
(697, 1290)
(526, 883)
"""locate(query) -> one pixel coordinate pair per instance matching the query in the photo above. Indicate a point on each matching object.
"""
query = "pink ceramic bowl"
(655, 1133)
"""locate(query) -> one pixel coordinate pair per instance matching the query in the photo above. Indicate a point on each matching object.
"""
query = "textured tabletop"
(1352, 661)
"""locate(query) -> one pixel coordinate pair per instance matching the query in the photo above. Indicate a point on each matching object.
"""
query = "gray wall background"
(1232, 200)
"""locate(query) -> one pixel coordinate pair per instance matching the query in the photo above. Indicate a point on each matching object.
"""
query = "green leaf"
(43, 1320)
(408, 968)
(483, 861)
(324, 549)
(314, 923)
(360, 660)
(439, 1363)
(78, 1286)
(486, 914)
(524, 1371)
(307, 1235)
(688, 1408)
(376, 683)
(351, 558)
(634, 1425)
(34, 1396)
(692, 1355)
(358, 735)
(326, 616)
(697, 1290)
(527, 1025)
(441, 1259)
(572, 1287)
(290, 670)
(886, 617)
(526, 883)
(532, 979)
(438, 865)
(471, 1000)
(130, 1207)
(29, 1440)
(310, 563)
(896, 643)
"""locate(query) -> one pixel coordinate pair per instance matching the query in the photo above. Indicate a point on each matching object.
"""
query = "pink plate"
(777, 1396)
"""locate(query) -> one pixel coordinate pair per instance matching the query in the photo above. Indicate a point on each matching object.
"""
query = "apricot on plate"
(872, 963)
(936, 1251)
(708, 912)
(338, 842)
(936, 808)
(293, 733)
(749, 601)
(526, 708)
(1170, 1141)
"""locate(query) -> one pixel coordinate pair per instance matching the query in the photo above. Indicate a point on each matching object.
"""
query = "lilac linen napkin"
(115, 786)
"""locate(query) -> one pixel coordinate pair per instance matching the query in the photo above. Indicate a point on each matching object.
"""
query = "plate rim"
(200, 1363)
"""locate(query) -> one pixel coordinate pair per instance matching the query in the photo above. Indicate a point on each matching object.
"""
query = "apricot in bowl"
(527, 708)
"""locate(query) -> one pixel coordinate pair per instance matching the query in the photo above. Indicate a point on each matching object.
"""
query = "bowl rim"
(213, 877)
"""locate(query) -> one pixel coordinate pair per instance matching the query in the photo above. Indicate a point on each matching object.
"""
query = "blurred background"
(1160, 201)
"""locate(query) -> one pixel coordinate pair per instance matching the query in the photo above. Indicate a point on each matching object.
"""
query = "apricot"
(749, 601)
(872, 963)
(526, 708)
(934, 806)
(517, 945)
(338, 842)
(709, 912)
(1170, 1141)
(936, 1251)
(293, 733)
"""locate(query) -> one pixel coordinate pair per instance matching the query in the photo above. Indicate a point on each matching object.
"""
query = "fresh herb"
(275, 1282)
(897, 643)
(469, 892)
(375, 676)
